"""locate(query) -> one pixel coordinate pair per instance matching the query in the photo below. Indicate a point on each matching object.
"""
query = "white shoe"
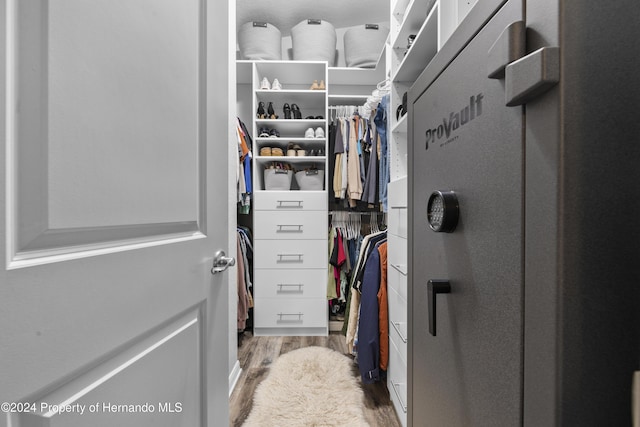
(319, 133)
(276, 85)
(265, 84)
(309, 133)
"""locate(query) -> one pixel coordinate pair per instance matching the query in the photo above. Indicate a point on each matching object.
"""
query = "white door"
(114, 179)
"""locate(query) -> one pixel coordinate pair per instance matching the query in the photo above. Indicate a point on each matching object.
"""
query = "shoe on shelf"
(309, 133)
(271, 112)
(264, 133)
(275, 151)
(287, 111)
(291, 152)
(273, 133)
(261, 114)
(296, 111)
(265, 151)
(314, 85)
(265, 84)
(319, 133)
(321, 86)
(276, 85)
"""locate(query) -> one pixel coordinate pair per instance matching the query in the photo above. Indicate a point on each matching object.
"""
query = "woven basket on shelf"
(314, 40)
(260, 41)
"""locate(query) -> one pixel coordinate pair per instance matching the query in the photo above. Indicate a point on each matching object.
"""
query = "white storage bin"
(310, 180)
(260, 41)
(277, 179)
(314, 40)
(363, 45)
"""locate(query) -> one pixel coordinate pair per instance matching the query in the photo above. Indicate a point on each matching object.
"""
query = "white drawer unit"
(290, 284)
(290, 227)
(287, 313)
(293, 201)
(306, 225)
(290, 254)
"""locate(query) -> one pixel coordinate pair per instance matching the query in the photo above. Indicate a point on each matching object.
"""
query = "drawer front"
(291, 225)
(398, 208)
(293, 201)
(296, 313)
(398, 329)
(397, 265)
(398, 221)
(290, 284)
(398, 190)
(290, 254)
(397, 382)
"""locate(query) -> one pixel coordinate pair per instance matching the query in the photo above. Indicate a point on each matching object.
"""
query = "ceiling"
(285, 14)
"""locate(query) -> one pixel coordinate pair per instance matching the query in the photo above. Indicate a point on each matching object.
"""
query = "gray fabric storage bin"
(260, 41)
(314, 40)
(363, 45)
(277, 179)
(310, 180)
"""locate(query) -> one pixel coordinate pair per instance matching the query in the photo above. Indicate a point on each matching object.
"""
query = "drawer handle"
(396, 387)
(290, 204)
(396, 326)
(289, 228)
(399, 269)
(290, 258)
(282, 317)
(283, 287)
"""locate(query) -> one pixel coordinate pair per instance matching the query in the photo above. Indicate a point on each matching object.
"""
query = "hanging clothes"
(243, 171)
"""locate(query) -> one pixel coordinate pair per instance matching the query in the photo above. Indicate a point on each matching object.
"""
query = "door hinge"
(526, 75)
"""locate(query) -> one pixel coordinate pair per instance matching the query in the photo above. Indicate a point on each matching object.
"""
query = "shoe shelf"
(303, 98)
(410, 63)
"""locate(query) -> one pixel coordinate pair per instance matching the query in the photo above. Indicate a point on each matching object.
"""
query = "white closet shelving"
(290, 233)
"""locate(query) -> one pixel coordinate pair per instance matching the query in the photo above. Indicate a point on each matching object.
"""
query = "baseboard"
(234, 376)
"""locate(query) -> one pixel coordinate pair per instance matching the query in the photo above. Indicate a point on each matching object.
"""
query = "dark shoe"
(261, 113)
(274, 134)
(271, 111)
(296, 111)
(287, 111)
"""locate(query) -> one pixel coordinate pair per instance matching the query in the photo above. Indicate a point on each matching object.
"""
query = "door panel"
(115, 127)
(83, 128)
(105, 394)
(467, 141)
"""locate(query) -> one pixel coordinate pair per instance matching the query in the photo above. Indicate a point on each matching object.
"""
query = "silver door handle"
(221, 262)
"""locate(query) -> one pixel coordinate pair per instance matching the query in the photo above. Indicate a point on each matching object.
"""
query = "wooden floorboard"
(255, 354)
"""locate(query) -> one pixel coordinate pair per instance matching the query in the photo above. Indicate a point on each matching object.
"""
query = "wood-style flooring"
(256, 354)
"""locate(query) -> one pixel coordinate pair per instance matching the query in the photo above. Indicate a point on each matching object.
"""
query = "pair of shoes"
(295, 150)
(268, 133)
(269, 114)
(264, 85)
(318, 86)
(291, 111)
(314, 118)
(318, 133)
(319, 152)
(271, 151)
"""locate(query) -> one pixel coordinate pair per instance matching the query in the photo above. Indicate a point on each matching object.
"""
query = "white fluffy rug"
(311, 386)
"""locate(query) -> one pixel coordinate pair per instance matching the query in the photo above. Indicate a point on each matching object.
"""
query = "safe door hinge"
(526, 76)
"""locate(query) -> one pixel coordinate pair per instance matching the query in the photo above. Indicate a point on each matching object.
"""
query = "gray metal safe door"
(466, 140)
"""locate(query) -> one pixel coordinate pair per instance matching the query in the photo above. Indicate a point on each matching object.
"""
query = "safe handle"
(435, 287)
